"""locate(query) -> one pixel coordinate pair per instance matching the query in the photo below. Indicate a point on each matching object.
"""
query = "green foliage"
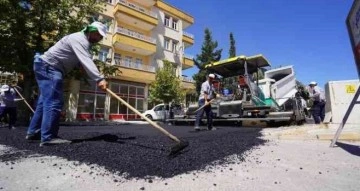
(208, 55)
(232, 49)
(229, 82)
(166, 87)
(23, 32)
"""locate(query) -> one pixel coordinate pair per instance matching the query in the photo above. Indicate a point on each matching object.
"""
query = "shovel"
(175, 149)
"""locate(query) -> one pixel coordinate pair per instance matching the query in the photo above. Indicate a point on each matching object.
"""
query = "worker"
(70, 52)
(206, 95)
(8, 105)
(316, 94)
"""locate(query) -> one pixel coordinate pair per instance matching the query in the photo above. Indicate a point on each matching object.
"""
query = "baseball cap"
(5, 88)
(313, 83)
(211, 75)
(101, 28)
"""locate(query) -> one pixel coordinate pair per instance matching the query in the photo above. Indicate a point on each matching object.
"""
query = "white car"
(157, 112)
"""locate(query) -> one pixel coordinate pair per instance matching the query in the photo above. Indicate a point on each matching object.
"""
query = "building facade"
(141, 34)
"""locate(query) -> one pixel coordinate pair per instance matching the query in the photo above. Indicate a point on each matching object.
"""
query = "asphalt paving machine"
(275, 99)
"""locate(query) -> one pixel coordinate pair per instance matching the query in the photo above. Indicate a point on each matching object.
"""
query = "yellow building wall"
(125, 53)
(134, 42)
(133, 13)
(138, 30)
(187, 39)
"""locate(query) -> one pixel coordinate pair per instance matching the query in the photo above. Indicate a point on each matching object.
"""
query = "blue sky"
(311, 35)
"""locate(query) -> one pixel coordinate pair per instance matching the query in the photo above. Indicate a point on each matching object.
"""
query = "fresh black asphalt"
(139, 151)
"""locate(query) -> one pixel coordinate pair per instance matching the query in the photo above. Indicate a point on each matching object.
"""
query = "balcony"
(188, 39)
(187, 83)
(188, 62)
(134, 42)
(146, 3)
(136, 72)
(135, 15)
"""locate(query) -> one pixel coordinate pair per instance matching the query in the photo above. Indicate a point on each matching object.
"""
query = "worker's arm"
(83, 54)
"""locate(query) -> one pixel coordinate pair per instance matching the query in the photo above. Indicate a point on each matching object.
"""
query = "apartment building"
(141, 34)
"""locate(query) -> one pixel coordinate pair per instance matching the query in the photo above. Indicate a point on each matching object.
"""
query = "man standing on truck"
(316, 94)
(206, 95)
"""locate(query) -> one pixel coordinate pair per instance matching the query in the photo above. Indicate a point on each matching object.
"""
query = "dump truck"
(275, 99)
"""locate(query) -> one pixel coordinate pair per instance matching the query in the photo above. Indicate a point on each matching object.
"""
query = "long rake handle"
(24, 99)
(144, 117)
(203, 106)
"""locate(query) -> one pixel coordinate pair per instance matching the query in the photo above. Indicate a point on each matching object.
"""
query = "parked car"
(157, 112)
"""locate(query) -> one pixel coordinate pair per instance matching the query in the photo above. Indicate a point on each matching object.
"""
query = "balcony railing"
(188, 34)
(134, 65)
(186, 79)
(134, 34)
(188, 56)
(138, 8)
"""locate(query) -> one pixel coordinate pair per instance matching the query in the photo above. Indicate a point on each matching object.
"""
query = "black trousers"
(11, 113)
(318, 111)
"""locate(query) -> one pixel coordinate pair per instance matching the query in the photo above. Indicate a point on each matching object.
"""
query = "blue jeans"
(200, 113)
(50, 102)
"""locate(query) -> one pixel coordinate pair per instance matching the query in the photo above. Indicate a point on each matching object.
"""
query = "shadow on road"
(353, 149)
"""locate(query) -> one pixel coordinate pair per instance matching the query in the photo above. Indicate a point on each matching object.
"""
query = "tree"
(232, 50)
(208, 55)
(232, 53)
(33, 26)
(29, 26)
(166, 86)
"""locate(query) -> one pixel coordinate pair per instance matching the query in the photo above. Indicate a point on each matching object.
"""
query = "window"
(138, 63)
(140, 92)
(175, 24)
(140, 105)
(167, 21)
(124, 89)
(174, 46)
(103, 54)
(117, 58)
(86, 103)
(128, 60)
(132, 91)
(115, 88)
(114, 106)
(167, 44)
(108, 24)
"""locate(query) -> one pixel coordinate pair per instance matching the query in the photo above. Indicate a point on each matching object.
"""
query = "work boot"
(211, 128)
(54, 141)
(33, 137)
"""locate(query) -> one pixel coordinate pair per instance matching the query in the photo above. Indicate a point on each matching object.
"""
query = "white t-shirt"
(206, 88)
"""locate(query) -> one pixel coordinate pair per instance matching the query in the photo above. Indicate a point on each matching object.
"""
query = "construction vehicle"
(274, 99)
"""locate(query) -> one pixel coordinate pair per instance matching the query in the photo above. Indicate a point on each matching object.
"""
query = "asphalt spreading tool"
(200, 108)
(173, 150)
(24, 99)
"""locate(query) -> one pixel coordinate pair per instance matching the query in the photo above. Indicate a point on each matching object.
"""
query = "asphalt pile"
(139, 151)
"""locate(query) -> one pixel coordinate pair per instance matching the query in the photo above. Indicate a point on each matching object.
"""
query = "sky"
(310, 35)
